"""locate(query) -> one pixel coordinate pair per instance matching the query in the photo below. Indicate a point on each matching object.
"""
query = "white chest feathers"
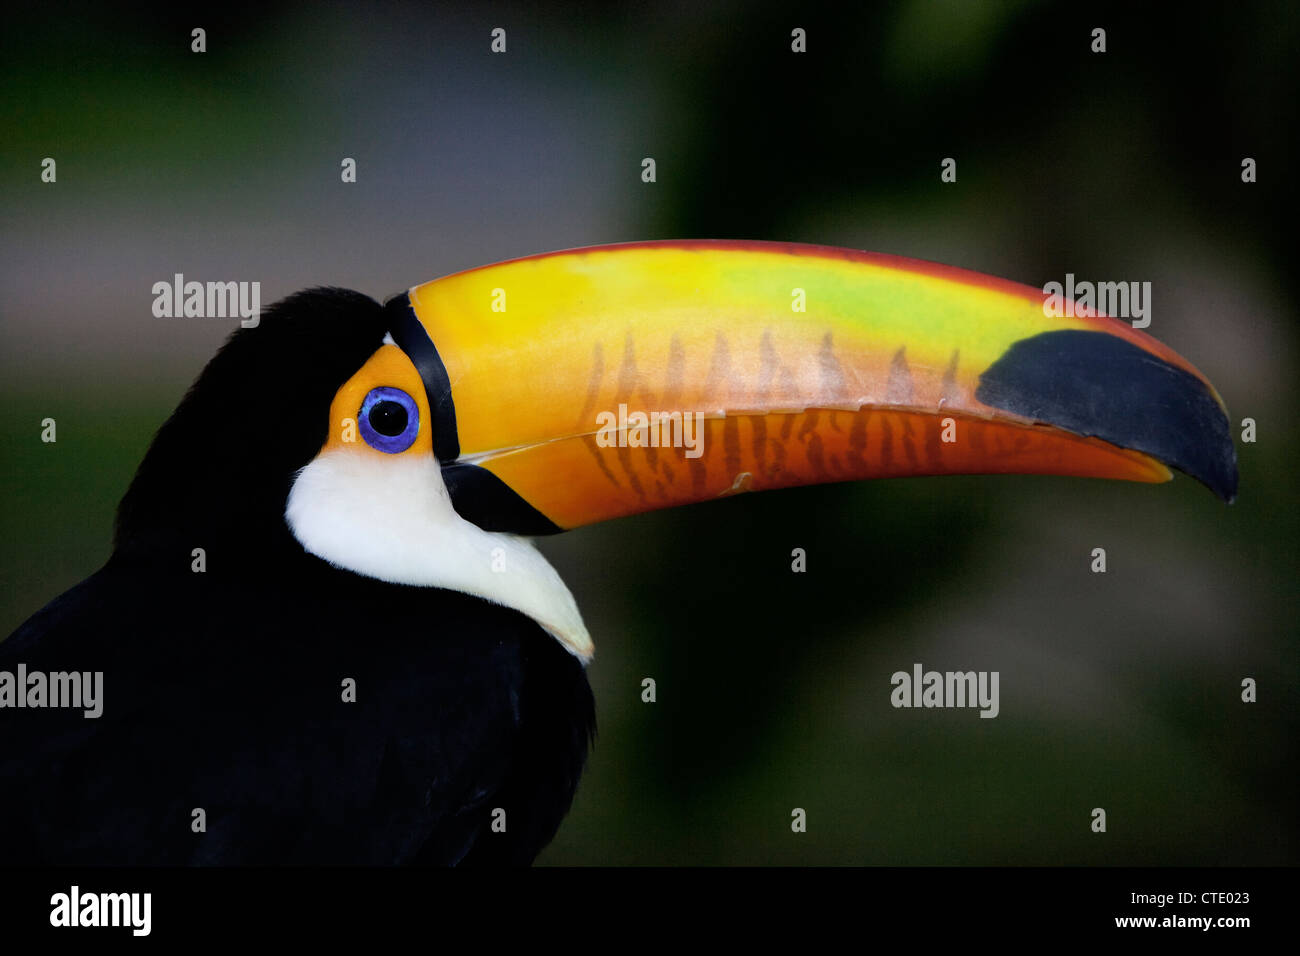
(391, 518)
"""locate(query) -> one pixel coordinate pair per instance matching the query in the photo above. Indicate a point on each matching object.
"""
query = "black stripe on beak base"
(411, 338)
(478, 495)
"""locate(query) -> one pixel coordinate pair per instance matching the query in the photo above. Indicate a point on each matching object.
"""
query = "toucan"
(325, 635)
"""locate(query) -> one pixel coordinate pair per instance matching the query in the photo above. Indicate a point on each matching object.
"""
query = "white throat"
(391, 518)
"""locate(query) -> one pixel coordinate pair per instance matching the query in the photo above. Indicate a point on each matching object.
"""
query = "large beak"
(578, 386)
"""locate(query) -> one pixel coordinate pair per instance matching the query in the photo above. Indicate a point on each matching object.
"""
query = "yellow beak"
(579, 386)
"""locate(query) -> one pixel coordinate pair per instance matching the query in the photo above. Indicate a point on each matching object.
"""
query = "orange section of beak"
(581, 481)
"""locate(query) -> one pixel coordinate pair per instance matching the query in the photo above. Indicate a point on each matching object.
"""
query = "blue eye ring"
(389, 420)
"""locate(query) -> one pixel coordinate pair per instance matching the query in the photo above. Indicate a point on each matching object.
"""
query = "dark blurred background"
(1119, 690)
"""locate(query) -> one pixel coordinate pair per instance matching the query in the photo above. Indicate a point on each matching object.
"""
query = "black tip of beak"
(1099, 385)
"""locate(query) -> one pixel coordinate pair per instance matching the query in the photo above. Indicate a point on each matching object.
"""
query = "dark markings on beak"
(1098, 385)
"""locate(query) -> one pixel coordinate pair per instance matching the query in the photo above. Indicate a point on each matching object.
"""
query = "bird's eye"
(389, 419)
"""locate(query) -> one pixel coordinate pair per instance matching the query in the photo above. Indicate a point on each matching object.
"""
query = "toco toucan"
(324, 634)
